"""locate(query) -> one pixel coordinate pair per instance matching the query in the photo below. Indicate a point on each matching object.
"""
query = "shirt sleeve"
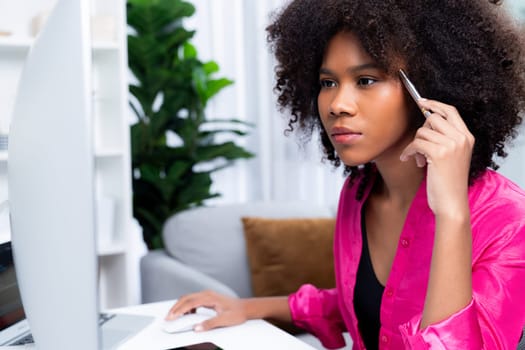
(495, 316)
(317, 311)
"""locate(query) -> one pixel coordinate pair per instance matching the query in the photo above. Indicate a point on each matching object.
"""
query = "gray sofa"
(205, 249)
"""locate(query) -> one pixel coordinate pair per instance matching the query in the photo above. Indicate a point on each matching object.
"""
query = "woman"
(429, 245)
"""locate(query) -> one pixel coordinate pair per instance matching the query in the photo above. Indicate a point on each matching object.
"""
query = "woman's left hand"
(445, 145)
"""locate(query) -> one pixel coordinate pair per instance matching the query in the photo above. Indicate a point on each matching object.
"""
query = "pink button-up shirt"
(493, 319)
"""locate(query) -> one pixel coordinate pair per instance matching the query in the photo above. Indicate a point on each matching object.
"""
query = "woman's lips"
(344, 135)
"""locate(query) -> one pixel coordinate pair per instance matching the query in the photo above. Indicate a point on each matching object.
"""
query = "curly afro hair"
(467, 53)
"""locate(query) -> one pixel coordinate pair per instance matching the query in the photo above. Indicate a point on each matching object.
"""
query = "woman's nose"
(343, 104)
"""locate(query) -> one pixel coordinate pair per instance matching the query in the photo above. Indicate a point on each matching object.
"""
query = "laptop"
(116, 328)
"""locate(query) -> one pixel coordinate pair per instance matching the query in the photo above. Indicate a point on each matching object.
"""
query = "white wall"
(514, 165)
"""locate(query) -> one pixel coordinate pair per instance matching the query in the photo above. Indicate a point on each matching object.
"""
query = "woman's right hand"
(230, 310)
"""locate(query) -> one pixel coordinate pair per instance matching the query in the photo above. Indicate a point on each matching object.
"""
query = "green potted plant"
(169, 98)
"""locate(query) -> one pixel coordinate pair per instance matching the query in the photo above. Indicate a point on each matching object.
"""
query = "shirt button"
(384, 339)
(389, 292)
(405, 243)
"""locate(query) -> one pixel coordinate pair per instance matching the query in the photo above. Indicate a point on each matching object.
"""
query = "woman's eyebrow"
(353, 69)
(364, 66)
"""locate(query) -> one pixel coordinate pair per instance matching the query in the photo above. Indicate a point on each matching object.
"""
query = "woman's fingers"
(229, 310)
(211, 323)
(448, 112)
(420, 150)
(189, 303)
(444, 133)
(221, 320)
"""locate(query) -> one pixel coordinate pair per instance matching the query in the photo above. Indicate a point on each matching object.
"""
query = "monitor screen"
(11, 309)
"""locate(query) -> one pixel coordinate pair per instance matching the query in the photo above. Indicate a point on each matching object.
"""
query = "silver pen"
(413, 92)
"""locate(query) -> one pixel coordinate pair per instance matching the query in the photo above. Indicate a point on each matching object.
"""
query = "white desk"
(252, 335)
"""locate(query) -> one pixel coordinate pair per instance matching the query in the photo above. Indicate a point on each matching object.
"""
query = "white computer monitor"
(51, 184)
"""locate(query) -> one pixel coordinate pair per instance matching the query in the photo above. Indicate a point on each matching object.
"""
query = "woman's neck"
(398, 183)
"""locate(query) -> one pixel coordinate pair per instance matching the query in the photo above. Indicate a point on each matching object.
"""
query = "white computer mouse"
(185, 322)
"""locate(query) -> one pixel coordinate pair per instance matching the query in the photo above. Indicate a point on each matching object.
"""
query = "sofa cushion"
(286, 253)
(211, 239)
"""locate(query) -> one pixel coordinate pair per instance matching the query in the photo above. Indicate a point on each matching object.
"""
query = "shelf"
(3, 156)
(110, 250)
(107, 153)
(105, 46)
(14, 43)
(21, 44)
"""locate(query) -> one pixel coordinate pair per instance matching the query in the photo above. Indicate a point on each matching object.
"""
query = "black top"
(367, 297)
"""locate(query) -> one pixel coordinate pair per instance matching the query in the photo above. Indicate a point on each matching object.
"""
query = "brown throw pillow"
(286, 253)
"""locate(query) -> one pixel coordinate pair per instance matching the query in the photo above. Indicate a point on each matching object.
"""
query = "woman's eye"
(325, 83)
(366, 81)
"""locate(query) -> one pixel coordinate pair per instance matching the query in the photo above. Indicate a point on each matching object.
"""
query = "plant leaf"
(227, 150)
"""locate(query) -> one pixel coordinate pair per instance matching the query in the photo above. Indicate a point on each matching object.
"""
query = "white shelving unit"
(111, 125)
